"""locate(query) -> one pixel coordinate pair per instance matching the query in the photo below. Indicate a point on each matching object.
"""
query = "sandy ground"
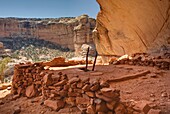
(153, 87)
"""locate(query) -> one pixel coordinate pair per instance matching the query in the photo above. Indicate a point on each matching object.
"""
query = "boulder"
(92, 49)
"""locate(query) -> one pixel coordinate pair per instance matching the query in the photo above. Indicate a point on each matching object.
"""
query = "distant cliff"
(68, 32)
(132, 26)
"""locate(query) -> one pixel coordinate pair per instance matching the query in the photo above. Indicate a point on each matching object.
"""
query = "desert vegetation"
(3, 67)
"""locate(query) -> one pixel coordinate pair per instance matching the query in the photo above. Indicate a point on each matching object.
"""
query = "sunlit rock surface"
(67, 32)
(130, 26)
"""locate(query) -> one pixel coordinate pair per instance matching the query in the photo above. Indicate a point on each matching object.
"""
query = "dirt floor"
(136, 83)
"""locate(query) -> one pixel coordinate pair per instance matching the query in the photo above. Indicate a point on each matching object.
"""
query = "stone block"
(71, 101)
(154, 111)
(55, 105)
(47, 79)
(101, 107)
(30, 91)
(142, 106)
(120, 109)
(86, 87)
(82, 100)
(111, 105)
(90, 94)
(91, 109)
(61, 83)
(74, 79)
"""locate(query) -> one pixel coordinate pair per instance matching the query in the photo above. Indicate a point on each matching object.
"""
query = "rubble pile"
(143, 59)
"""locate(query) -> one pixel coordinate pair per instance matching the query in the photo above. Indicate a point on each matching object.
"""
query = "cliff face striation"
(1, 45)
(67, 32)
(132, 26)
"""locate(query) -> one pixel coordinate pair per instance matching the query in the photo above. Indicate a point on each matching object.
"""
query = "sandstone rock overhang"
(126, 27)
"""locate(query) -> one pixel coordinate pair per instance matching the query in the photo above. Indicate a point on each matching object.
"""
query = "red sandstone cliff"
(68, 32)
(130, 26)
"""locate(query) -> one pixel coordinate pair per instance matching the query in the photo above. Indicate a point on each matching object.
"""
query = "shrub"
(3, 67)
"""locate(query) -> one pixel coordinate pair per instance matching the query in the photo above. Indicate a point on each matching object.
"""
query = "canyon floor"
(136, 83)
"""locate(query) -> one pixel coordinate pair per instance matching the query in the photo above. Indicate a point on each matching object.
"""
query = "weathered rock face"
(64, 31)
(126, 27)
(1, 45)
(83, 33)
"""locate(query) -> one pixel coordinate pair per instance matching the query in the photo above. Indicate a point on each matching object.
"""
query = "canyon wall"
(132, 26)
(67, 32)
(1, 45)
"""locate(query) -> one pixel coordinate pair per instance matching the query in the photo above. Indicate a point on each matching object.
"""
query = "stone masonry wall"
(60, 91)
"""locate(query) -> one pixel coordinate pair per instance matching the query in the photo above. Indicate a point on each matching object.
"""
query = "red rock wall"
(60, 31)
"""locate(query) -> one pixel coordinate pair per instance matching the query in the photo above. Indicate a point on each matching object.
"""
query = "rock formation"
(68, 32)
(126, 27)
(1, 48)
(83, 32)
(1, 45)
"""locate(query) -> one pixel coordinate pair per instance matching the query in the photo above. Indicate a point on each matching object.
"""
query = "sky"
(48, 8)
